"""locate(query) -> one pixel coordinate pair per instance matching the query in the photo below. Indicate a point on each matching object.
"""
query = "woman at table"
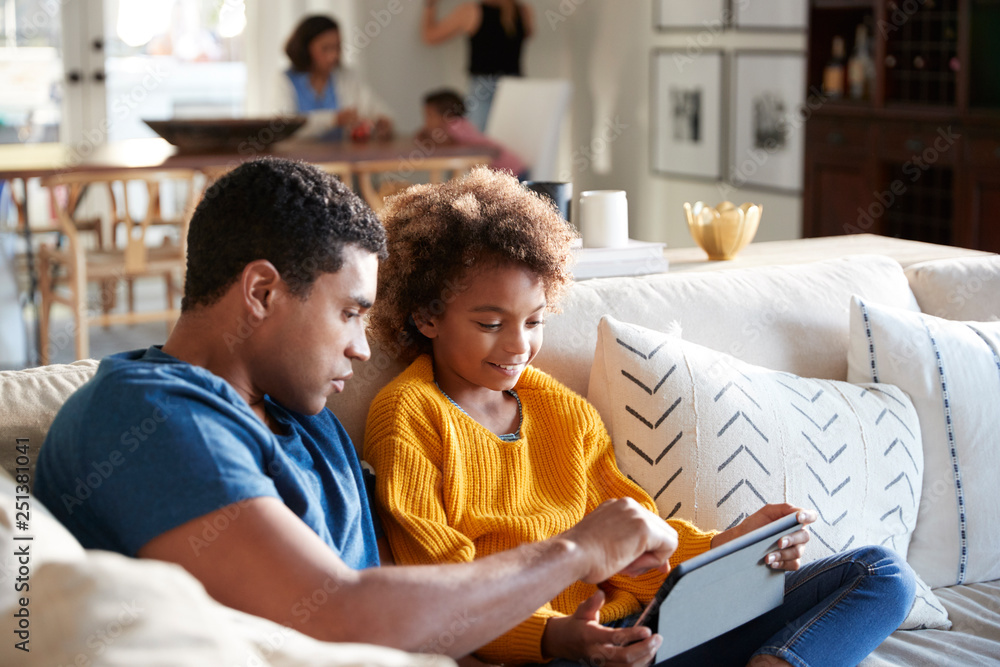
(332, 96)
(496, 30)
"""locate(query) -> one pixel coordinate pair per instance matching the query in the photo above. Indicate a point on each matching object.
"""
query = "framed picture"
(686, 15)
(770, 14)
(686, 116)
(768, 90)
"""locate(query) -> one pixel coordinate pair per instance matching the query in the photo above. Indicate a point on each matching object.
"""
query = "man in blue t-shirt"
(216, 450)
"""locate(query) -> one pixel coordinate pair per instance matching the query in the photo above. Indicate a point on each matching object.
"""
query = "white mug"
(603, 218)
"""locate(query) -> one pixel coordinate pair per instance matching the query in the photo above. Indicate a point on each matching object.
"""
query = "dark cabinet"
(916, 155)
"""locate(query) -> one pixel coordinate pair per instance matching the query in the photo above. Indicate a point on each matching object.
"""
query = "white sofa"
(792, 319)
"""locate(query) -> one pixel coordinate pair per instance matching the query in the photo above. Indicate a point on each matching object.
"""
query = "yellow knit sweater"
(450, 490)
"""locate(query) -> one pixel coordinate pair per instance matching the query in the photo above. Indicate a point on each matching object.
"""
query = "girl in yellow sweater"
(475, 451)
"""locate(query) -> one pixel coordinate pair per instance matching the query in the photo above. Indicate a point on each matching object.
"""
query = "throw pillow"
(49, 539)
(962, 288)
(111, 610)
(951, 370)
(31, 399)
(712, 439)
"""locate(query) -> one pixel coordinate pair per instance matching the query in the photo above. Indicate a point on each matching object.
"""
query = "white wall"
(603, 46)
(402, 69)
(624, 29)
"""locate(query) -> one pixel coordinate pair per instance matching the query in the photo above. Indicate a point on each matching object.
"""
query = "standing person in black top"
(496, 30)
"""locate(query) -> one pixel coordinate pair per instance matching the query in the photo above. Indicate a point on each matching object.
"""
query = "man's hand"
(622, 536)
(582, 637)
(790, 549)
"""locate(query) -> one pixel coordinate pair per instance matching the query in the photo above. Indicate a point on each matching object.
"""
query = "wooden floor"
(103, 341)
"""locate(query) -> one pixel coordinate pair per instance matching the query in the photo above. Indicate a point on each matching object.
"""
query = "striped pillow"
(951, 371)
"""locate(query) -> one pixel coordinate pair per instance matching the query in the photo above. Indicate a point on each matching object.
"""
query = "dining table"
(402, 158)
(20, 161)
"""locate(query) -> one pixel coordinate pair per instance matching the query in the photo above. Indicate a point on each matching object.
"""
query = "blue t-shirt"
(151, 442)
(306, 98)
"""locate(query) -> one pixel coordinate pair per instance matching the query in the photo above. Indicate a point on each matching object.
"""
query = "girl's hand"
(347, 117)
(790, 549)
(582, 637)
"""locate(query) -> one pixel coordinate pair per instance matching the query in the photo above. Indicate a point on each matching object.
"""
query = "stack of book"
(636, 259)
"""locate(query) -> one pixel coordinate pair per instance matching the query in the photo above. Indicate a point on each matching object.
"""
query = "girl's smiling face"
(488, 332)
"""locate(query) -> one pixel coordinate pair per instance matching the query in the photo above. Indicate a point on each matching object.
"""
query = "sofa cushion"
(951, 370)
(974, 638)
(96, 607)
(111, 610)
(31, 398)
(958, 289)
(791, 318)
(50, 541)
(713, 439)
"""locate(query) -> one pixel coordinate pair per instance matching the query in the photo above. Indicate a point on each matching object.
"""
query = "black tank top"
(491, 49)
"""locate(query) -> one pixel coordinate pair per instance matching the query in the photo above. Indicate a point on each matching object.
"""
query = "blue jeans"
(479, 99)
(836, 611)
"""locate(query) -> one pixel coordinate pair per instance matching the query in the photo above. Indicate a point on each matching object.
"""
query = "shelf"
(935, 77)
(838, 19)
(984, 53)
(923, 53)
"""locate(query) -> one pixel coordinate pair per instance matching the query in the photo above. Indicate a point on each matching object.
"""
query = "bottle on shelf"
(861, 66)
(833, 73)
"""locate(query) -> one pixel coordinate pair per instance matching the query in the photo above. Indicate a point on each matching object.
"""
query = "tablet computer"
(719, 590)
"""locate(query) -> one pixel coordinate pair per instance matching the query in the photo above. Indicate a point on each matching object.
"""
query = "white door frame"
(84, 112)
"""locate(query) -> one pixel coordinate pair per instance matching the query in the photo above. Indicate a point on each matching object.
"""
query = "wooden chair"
(341, 170)
(392, 177)
(72, 266)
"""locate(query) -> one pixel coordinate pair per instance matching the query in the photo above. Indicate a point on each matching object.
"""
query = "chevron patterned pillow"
(712, 439)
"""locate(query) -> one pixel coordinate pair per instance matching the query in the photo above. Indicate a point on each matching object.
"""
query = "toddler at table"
(445, 123)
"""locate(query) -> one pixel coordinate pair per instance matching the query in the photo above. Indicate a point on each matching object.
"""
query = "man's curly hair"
(292, 214)
(438, 232)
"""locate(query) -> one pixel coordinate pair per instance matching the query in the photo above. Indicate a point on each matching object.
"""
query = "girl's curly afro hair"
(435, 233)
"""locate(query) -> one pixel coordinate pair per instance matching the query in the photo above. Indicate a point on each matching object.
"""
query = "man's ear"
(426, 325)
(261, 285)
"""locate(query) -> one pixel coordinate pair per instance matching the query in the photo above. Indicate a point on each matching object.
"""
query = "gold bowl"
(724, 230)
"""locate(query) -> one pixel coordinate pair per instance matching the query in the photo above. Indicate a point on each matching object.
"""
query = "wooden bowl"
(220, 135)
